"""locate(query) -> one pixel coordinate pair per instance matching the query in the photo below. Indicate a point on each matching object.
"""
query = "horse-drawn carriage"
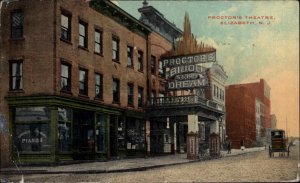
(279, 143)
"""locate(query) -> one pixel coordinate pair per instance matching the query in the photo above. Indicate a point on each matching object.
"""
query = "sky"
(263, 48)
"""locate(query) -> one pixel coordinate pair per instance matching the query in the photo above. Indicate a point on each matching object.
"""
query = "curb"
(28, 172)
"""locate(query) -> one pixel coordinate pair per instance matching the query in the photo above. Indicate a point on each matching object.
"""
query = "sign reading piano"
(186, 72)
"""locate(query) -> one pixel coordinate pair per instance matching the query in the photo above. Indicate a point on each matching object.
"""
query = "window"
(153, 94)
(65, 77)
(115, 49)
(98, 41)
(83, 41)
(64, 129)
(161, 94)
(130, 94)
(160, 69)
(153, 65)
(65, 27)
(129, 56)
(32, 129)
(101, 133)
(16, 75)
(98, 86)
(140, 96)
(140, 61)
(135, 134)
(116, 90)
(83, 79)
(17, 24)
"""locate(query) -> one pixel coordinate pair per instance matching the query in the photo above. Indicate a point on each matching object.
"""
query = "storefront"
(54, 129)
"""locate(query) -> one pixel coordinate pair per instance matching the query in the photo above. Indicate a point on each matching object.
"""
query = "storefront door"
(83, 134)
(113, 136)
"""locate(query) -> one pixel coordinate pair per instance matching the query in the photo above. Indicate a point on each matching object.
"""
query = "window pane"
(65, 71)
(82, 76)
(114, 45)
(64, 136)
(97, 37)
(64, 114)
(82, 29)
(98, 79)
(65, 21)
(32, 114)
(17, 19)
(32, 137)
(81, 41)
(97, 47)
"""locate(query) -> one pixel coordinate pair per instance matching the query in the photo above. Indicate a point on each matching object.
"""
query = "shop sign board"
(190, 59)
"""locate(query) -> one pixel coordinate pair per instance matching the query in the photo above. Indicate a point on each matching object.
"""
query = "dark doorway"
(83, 134)
(113, 136)
(182, 129)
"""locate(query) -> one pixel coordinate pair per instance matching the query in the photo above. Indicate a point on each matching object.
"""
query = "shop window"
(83, 79)
(115, 49)
(32, 129)
(101, 133)
(153, 94)
(153, 65)
(64, 129)
(130, 56)
(98, 41)
(140, 96)
(65, 77)
(17, 24)
(83, 38)
(140, 61)
(160, 69)
(121, 135)
(130, 94)
(98, 86)
(116, 90)
(16, 75)
(135, 134)
(65, 27)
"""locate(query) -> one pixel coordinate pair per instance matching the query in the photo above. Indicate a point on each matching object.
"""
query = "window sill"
(99, 99)
(131, 67)
(141, 71)
(65, 92)
(99, 54)
(16, 91)
(66, 41)
(130, 106)
(16, 39)
(116, 61)
(83, 48)
(83, 96)
(117, 103)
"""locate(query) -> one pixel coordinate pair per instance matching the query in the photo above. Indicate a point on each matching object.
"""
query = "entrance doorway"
(113, 133)
(83, 134)
(182, 129)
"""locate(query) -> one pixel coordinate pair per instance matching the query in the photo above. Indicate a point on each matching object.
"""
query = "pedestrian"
(229, 147)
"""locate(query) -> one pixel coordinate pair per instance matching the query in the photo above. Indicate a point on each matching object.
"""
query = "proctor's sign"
(190, 59)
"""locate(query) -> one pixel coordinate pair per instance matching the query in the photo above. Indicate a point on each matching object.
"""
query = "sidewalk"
(125, 165)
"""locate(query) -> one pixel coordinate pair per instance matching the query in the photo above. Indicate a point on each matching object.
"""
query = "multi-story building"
(216, 92)
(273, 121)
(248, 113)
(75, 78)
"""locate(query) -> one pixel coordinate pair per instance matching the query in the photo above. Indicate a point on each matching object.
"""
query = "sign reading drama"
(190, 59)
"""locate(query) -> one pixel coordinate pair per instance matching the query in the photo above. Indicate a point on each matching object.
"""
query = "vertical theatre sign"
(186, 72)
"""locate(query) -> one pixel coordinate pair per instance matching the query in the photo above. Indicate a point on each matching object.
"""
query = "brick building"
(248, 118)
(75, 79)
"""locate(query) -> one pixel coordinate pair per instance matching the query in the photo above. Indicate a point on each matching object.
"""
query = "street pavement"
(114, 166)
